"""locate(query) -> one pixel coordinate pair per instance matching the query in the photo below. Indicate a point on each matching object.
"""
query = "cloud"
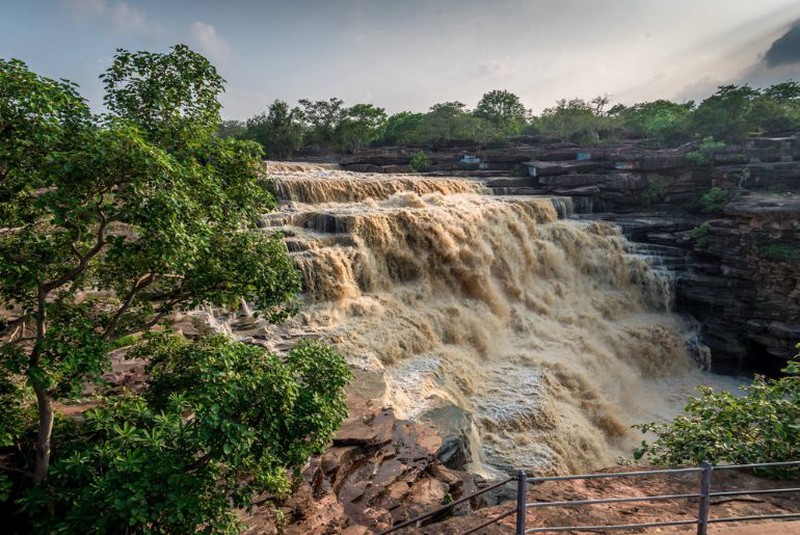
(491, 67)
(205, 39)
(786, 49)
(496, 68)
(121, 17)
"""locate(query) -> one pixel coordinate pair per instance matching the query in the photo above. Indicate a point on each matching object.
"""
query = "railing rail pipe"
(755, 465)
(573, 503)
(617, 474)
(612, 527)
(522, 498)
(755, 491)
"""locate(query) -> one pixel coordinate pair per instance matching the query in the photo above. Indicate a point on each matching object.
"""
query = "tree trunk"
(45, 403)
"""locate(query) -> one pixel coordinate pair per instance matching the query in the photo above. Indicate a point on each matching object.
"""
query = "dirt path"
(771, 528)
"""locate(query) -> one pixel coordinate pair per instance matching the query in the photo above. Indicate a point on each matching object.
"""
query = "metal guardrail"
(704, 496)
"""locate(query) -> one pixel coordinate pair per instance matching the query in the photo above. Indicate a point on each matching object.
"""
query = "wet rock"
(745, 284)
(188, 328)
(454, 425)
(426, 496)
(782, 329)
(378, 472)
(454, 452)
(366, 430)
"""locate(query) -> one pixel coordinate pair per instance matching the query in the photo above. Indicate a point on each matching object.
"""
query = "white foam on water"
(550, 333)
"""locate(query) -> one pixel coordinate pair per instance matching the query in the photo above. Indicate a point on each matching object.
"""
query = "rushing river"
(546, 336)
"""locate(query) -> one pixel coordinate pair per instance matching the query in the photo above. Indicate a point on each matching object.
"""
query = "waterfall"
(551, 334)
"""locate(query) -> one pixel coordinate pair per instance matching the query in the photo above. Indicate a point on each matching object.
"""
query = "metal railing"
(703, 496)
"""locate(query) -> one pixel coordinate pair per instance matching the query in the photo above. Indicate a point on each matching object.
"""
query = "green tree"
(704, 153)
(761, 426)
(231, 128)
(729, 114)
(108, 227)
(713, 201)
(503, 109)
(452, 121)
(443, 122)
(701, 233)
(279, 131)
(170, 96)
(575, 120)
(778, 107)
(220, 422)
(403, 128)
(362, 124)
(419, 161)
(321, 118)
(662, 121)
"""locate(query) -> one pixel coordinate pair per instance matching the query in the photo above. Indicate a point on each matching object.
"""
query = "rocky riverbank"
(378, 472)
(381, 471)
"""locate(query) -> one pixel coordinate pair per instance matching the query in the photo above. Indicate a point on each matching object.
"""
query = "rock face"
(745, 282)
(738, 274)
(379, 471)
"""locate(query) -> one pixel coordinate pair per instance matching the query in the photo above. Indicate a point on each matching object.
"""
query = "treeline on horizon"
(732, 113)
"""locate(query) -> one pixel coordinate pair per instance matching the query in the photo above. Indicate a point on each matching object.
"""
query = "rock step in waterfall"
(534, 340)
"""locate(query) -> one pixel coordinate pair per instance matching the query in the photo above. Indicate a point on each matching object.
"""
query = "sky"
(410, 54)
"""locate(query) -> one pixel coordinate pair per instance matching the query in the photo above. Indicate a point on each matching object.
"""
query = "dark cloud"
(786, 50)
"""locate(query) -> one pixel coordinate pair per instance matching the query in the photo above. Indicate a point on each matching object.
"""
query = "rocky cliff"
(744, 284)
(740, 273)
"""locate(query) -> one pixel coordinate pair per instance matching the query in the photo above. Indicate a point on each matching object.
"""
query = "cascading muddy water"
(545, 334)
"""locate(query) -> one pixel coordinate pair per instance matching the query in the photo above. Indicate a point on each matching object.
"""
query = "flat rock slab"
(774, 205)
(365, 431)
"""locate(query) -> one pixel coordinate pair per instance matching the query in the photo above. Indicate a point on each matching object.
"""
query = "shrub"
(761, 426)
(655, 190)
(419, 161)
(780, 252)
(700, 233)
(713, 200)
(220, 423)
(702, 155)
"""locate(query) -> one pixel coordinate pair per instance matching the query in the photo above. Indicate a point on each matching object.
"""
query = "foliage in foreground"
(220, 422)
(109, 225)
(761, 426)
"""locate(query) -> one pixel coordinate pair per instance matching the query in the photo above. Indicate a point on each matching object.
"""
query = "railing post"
(522, 501)
(705, 499)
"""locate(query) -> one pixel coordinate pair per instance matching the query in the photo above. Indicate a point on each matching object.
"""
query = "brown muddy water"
(541, 340)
